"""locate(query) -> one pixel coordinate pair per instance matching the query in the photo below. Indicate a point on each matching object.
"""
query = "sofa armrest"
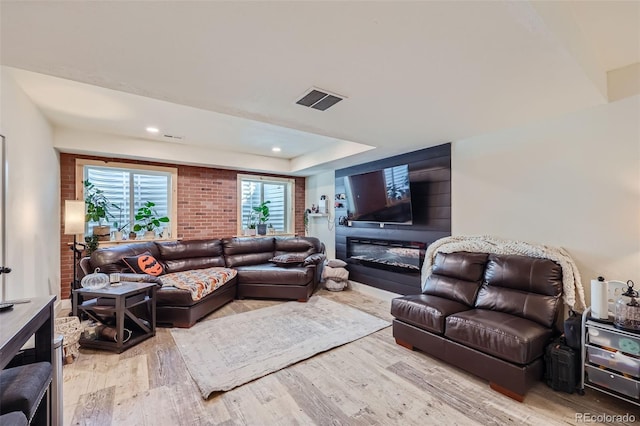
(314, 259)
(85, 267)
(140, 278)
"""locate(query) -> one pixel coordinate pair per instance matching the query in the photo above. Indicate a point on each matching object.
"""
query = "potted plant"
(91, 244)
(98, 209)
(251, 224)
(120, 225)
(263, 216)
(148, 220)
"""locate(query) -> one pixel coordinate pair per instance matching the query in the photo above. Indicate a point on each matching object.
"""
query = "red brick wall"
(206, 205)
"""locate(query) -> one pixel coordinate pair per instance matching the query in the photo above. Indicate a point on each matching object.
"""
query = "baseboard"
(373, 291)
(62, 305)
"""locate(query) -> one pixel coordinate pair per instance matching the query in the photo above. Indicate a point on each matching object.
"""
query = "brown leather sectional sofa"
(257, 277)
(491, 315)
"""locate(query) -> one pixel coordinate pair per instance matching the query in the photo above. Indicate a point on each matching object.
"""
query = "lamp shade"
(73, 217)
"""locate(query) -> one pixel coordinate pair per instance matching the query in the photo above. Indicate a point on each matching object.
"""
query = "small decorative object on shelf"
(627, 311)
(95, 281)
(114, 279)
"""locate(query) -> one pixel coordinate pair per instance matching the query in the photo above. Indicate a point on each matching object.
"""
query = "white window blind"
(254, 191)
(130, 189)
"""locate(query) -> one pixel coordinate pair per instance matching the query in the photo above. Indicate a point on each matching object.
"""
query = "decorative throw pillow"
(336, 263)
(144, 263)
(288, 259)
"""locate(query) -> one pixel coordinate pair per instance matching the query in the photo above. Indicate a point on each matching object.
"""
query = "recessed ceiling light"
(276, 149)
(152, 129)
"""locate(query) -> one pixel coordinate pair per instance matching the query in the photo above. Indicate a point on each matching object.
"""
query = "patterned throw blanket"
(573, 293)
(199, 282)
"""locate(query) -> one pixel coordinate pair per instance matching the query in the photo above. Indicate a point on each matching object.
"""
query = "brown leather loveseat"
(491, 315)
(256, 275)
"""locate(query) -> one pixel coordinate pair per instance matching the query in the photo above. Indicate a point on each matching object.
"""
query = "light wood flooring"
(372, 381)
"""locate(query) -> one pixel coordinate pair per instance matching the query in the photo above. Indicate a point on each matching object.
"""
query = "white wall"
(322, 227)
(573, 182)
(33, 208)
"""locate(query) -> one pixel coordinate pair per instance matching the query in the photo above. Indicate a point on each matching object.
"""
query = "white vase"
(149, 235)
(117, 235)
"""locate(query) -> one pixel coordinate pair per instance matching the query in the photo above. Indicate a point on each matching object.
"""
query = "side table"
(109, 302)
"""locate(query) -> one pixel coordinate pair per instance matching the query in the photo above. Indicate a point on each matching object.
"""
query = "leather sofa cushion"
(521, 285)
(187, 249)
(248, 251)
(233, 246)
(304, 245)
(425, 311)
(179, 265)
(109, 259)
(505, 336)
(273, 274)
(460, 265)
(171, 296)
(452, 288)
(532, 306)
(524, 273)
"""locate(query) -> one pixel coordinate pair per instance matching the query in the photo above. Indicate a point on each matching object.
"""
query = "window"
(253, 190)
(130, 186)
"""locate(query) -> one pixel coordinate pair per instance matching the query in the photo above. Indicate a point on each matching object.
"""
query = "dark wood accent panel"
(430, 180)
(385, 280)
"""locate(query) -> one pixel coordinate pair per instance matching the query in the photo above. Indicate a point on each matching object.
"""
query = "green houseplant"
(120, 225)
(98, 209)
(91, 244)
(263, 216)
(148, 220)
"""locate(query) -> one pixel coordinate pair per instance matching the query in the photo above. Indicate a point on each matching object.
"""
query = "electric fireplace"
(390, 255)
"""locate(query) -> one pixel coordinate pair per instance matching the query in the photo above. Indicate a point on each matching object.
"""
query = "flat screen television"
(380, 196)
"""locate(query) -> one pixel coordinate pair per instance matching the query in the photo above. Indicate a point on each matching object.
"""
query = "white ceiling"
(225, 75)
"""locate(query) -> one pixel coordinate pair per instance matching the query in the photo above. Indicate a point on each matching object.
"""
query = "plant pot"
(251, 231)
(117, 235)
(149, 235)
(133, 235)
(262, 229)
(102, 232)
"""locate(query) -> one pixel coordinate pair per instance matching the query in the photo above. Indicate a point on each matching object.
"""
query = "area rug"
(227, 352)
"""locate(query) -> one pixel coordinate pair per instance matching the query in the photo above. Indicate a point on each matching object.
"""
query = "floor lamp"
(74, 224)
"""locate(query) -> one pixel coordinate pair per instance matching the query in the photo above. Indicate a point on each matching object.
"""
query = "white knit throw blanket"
(573, 292)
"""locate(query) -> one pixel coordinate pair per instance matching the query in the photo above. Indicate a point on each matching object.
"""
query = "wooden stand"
(118, 302)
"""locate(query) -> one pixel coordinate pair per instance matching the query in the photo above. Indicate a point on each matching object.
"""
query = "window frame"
(290, 202)
(172, 171)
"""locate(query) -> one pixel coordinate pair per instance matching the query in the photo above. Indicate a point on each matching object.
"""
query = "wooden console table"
(21, 322)
(17, 325)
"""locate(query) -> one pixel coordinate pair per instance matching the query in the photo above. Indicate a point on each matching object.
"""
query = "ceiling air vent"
(319, 99)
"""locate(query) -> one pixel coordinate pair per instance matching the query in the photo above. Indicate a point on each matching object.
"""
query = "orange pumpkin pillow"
(144, 263)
